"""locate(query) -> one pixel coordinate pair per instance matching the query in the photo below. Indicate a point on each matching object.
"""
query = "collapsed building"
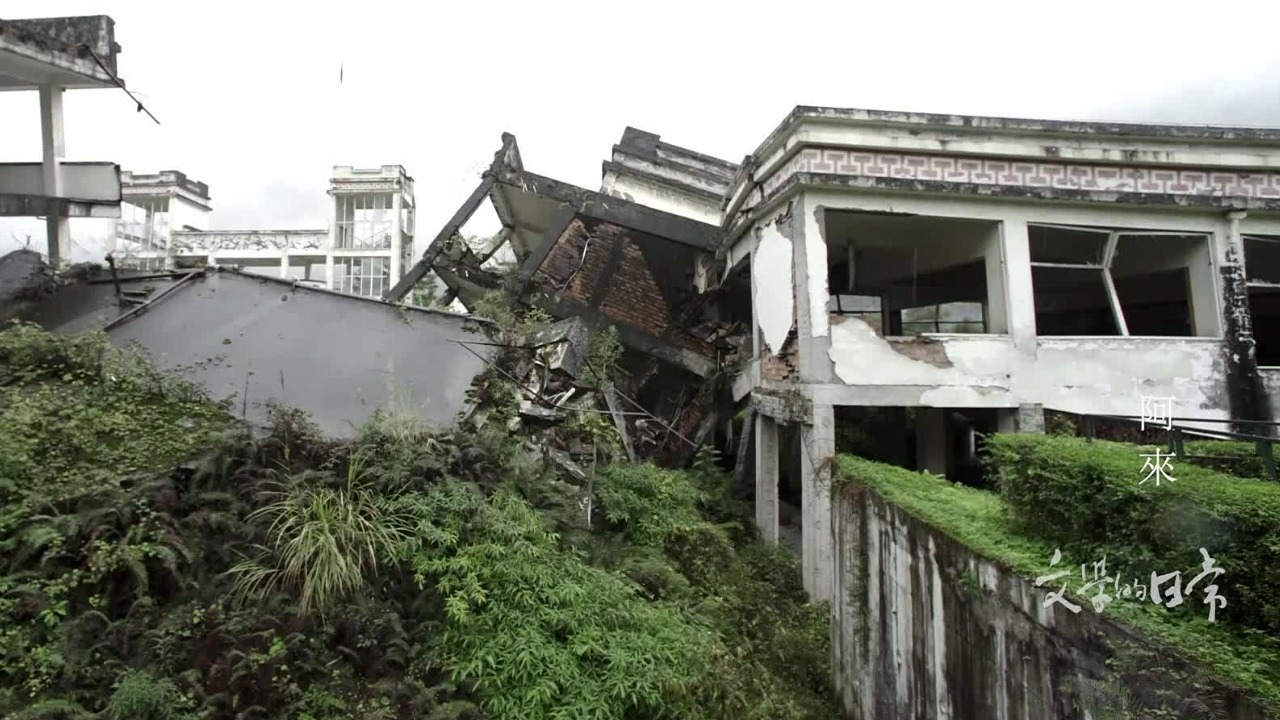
(904, 282)
(894, 284)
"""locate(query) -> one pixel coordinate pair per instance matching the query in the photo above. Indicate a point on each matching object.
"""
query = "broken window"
(1098, 281)
(366, 276)
(364, 221)
(954, 317)
(910, 274)
(1262, 271)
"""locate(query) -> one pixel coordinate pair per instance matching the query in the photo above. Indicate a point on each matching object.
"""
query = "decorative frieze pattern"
(199, 242)
(1028, 174)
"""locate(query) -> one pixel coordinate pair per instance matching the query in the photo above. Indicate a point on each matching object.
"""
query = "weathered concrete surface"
(926, 629)
(20, 273)
(335, 356)
(80, 46)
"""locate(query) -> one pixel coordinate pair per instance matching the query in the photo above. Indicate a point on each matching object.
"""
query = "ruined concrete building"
(890, 284)
(904, 282)
(164, 222)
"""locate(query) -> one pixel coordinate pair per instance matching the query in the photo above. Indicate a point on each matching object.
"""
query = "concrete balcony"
(89, 190)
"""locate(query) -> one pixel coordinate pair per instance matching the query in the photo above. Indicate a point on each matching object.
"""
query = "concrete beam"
(41, 206)
(460, 218)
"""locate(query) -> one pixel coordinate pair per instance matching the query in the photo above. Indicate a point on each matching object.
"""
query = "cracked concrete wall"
(925, 628)
(1085, 375)
(1089, 375)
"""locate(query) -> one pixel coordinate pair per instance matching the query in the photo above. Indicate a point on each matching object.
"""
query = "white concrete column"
(284, 266)
(997, 309)
(809, 263)
(334, 217)
(767, 477)
(1020, 308)
(931, 440)
(57, 227)
(817, 455)
(397, 235)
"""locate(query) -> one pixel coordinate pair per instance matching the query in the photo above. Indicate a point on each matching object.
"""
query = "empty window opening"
(364, 221)
(1072, 301)
(907, 275)
(1262, 270)
(367, 276)
(735, 291)
(1103, 282)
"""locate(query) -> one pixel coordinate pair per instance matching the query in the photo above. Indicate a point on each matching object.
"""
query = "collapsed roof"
(266, 340)
(606, 261)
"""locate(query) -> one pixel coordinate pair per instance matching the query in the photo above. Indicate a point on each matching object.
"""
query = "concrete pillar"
(334, 218)
(931, 440)
(1024, 418)
(284, 267)
(1020, 308)
(57, 227)
(1206, 316)
(817, 455)
(809, 267)
(397, 235)
(997, 307)
(1246, 394)
(767, 477)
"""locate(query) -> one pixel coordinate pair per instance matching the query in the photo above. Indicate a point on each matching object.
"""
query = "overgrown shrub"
(988, 525)
(1233, 457)
(1086, 496)
(408, 574)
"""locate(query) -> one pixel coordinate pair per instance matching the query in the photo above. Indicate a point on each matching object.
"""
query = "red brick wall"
(565, 256)
(633, 297)
(783, 366)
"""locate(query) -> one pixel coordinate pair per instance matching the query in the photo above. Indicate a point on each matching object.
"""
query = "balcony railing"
(198, 242)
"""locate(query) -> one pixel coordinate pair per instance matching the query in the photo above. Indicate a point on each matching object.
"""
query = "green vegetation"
(162, 564)
(1145, 528)
(1234, 457)
(1023, 539)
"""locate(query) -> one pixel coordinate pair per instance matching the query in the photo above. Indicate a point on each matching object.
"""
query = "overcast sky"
(250, 103)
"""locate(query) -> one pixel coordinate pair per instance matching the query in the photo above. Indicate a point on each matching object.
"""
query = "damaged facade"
(366, 248)
(972, 272)
(908, 281)
(893, 283)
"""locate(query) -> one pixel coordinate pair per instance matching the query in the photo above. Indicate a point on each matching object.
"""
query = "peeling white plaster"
(1103, 376)
(863, 358)
(771, 288)
(816, 267)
